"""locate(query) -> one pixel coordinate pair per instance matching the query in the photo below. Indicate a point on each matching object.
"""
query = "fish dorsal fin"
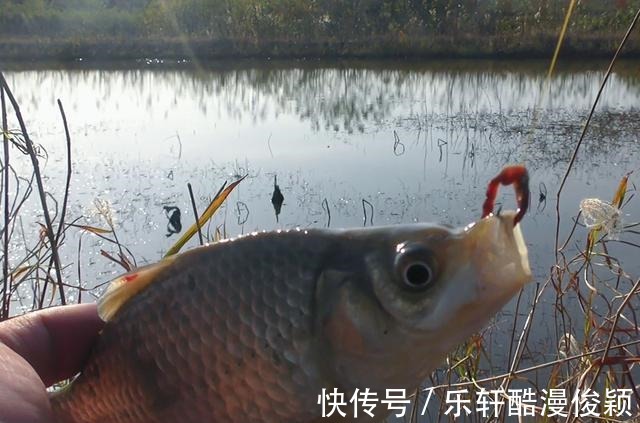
(123, 288)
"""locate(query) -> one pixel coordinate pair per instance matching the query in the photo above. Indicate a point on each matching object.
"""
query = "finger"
(23, 397)
(55, 341)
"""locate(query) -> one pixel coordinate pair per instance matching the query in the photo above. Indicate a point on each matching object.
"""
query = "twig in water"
(195, 213)
(442, 143)
(542, 197)
(364, 210)
(325, 207)
(240, 207)
(398, 146)
(269, 145)
(179, 145)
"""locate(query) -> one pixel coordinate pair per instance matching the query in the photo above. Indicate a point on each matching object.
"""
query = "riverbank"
(450, 47)
(291, 29)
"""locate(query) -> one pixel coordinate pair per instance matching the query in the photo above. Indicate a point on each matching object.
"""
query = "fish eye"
(416, 266)
(417, 274)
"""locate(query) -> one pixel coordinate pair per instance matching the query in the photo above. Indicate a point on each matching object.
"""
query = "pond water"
(415, 141)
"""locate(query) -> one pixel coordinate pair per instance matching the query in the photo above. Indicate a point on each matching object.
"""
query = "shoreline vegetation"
(102, 30)
(192, 49)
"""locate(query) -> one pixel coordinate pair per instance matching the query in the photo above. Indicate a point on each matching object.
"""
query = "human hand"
(37, 350)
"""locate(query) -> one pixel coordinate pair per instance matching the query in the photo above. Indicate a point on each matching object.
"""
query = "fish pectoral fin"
(124, 287)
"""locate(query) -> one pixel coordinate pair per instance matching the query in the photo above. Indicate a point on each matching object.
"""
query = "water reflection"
(330, 98)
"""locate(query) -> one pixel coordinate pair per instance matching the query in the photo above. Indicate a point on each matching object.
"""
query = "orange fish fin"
(123, 288)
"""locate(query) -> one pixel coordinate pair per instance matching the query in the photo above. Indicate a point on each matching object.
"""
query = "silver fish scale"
(223, 335)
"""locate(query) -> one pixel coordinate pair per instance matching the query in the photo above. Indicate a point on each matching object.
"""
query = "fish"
(253, 329)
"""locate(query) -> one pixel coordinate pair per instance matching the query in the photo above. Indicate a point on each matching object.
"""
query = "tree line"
(301, 19)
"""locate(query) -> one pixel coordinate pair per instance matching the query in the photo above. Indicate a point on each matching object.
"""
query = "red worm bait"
(519, 177)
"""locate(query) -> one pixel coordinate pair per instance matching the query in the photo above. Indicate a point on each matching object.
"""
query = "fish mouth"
(499, 253)
(487, 268)
(491, 266)
(521, 248)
